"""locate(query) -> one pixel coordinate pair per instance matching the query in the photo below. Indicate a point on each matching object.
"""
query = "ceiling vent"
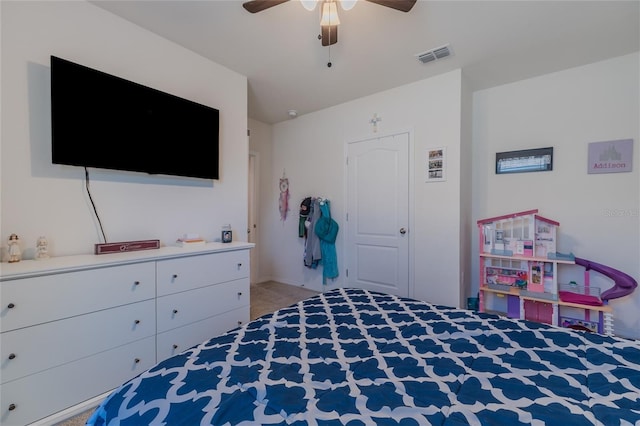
(434, 54)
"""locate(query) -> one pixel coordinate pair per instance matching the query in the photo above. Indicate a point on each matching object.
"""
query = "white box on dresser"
(75, 327)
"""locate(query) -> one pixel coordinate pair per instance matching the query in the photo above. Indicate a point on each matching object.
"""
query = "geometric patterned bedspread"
(356, 357)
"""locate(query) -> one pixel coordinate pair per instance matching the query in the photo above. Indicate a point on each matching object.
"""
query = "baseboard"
(66, 414)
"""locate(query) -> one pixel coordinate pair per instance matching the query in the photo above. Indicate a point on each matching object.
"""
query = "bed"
(356, 357)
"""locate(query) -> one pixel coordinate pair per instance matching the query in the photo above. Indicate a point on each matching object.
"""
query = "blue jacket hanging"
(327, 231)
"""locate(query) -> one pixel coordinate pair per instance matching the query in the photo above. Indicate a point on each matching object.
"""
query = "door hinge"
(346, 272)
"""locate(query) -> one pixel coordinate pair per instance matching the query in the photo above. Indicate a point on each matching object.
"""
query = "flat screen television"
(103, 121)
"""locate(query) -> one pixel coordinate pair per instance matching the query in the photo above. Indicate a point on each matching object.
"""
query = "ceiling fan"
(329, 18)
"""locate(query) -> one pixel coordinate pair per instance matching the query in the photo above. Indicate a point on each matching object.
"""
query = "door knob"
(403, 231)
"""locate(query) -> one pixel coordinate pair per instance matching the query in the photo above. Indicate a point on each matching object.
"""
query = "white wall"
(466, 176)
(261, 144)
(311, 151)
(39, 198)
(599, 215)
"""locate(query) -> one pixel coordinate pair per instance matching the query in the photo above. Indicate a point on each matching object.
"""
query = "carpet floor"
(265, 297)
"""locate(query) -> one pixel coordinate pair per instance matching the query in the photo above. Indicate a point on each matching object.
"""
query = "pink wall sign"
(610, 156)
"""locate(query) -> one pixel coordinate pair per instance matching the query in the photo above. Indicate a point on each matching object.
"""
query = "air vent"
(434, 54)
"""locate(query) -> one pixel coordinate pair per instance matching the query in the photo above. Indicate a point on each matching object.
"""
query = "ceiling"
(493, 42)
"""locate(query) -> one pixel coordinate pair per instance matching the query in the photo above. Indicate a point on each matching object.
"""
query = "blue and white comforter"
(354, 357)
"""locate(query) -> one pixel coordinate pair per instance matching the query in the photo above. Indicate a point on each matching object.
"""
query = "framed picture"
(526, 160)
(436, 164)
(610, 156)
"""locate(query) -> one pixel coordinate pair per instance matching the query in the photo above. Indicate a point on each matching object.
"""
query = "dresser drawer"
(33, 349)
(175, 275)
(187, 307)
(173, 342)
(36, 300)
(39, 395)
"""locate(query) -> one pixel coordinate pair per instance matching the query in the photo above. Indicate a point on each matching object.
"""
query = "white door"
(377, 246)
(252, 225)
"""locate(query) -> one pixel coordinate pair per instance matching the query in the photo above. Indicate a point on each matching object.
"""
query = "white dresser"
(75, 327)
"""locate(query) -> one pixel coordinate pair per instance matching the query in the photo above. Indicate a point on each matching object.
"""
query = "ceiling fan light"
(329, 14)
(310, 5)
(348, 4)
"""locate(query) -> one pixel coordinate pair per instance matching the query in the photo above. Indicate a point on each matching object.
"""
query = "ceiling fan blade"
(329, 35)
(255, 6)
(401, 5)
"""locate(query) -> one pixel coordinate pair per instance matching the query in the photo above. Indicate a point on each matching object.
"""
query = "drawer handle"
(11, 306)
(174, 276)
(137, 360)
(239, 322)
(175, 346)
(136, 283)
(12, 356)
(239, 293)
(12, 407)
(239, 265)
(137, 321)
(175, 311)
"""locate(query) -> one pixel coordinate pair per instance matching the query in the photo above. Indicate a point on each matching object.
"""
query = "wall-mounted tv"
(103, 121)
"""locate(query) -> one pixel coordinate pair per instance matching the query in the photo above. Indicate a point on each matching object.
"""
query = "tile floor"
(269, 296)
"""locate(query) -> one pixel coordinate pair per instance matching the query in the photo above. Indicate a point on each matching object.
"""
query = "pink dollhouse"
(519, 269)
